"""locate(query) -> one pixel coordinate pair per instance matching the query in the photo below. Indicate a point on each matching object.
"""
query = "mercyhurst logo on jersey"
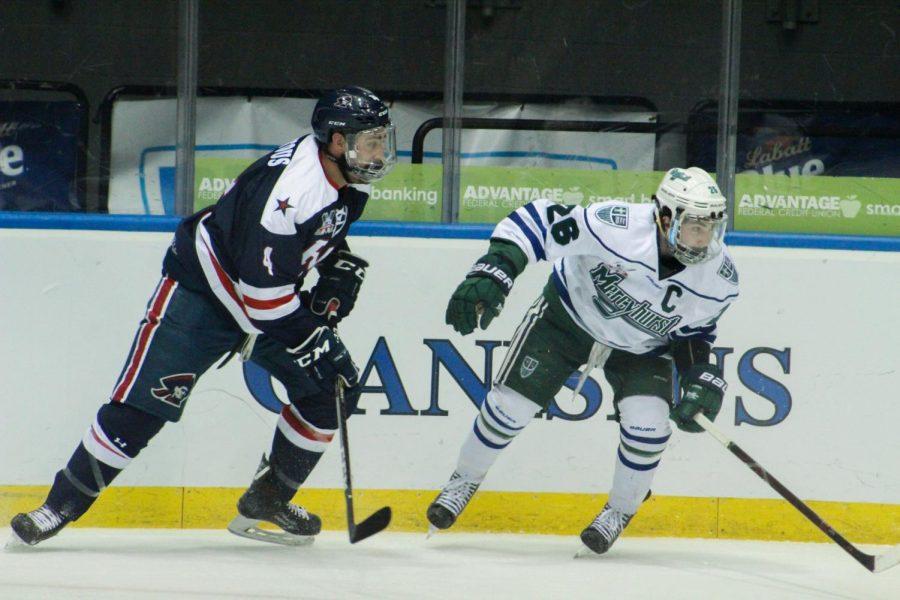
(614, 302)
(617, 216)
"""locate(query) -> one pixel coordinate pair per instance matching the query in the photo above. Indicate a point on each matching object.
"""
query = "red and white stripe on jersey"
(266, 304)
(100, 446)
(155, 311)
(219, 281)
(242, 300)
(301, 432)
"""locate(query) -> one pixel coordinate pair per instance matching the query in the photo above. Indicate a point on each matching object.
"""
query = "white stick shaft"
(597, 358)
(711, 429)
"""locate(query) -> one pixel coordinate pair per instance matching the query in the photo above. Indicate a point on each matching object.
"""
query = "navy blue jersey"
(252, 249)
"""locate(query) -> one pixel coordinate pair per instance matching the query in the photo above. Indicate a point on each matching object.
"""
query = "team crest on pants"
(174, 389)
(527, 367)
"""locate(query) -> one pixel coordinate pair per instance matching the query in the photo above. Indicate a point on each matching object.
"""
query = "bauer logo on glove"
(702, 390)
(483, 269)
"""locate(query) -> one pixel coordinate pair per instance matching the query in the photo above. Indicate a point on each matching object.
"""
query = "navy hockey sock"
(296, 449)
(115, 437)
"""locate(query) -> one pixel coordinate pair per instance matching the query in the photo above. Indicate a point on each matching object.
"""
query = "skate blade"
(15, 543)
(431, 531)
(585, 552)
(249, 528)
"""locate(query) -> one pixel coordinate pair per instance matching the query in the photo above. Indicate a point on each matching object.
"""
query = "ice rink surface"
(174, 564)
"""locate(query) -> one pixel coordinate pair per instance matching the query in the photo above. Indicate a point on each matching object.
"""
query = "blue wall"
(29, 220)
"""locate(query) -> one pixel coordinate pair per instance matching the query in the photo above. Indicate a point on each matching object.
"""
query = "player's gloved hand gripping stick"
(340, 280)
(702, 390)
(326, 358)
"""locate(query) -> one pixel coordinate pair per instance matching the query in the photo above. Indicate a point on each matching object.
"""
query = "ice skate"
(450, 503)
(602, 533)
(260, 504)
(29, 529)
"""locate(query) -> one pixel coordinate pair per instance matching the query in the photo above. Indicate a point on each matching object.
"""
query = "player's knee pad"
(504, 414)
(310, 427)
(320, 410)
(644, 431)
(119, 433)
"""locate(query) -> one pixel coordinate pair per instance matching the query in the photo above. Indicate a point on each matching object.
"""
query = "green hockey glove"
(702, 390)
(482, 294)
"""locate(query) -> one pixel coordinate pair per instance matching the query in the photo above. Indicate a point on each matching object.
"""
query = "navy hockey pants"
(182, 334)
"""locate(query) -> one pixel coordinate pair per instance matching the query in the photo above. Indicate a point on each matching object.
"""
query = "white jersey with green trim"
(606, 270)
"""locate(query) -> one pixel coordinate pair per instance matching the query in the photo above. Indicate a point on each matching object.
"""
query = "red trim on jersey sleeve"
(268, 304)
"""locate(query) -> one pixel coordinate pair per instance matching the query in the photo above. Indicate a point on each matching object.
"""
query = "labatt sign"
(781, 148)
(475, 382)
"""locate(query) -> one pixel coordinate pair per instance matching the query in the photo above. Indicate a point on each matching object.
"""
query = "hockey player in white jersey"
(635, 288)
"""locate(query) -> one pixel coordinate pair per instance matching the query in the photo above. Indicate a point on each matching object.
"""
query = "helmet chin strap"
(672, 234)
(341, 162)
(666, 247)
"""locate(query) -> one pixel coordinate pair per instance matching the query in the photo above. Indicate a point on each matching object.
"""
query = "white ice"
(174, 564)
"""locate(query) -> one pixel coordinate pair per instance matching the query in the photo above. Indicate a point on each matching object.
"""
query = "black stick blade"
(376, 522)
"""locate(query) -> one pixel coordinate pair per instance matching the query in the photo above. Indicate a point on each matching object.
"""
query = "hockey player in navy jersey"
(231, 283)
(634, 288)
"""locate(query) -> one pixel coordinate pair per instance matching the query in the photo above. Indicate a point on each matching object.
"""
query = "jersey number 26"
(564, 230)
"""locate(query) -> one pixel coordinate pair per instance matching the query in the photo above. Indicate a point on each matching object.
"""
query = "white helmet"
(697, 209)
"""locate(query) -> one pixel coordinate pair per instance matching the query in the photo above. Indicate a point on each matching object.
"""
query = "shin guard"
(644, 432)
(296, 449)
(117, 435)
(503, 415)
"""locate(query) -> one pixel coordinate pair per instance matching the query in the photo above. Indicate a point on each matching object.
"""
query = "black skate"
(451, 501)
(36, 526)
(602, 533)
(261, 503)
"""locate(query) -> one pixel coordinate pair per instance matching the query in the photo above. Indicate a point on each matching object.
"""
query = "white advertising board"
(232, 132)
(810, 354)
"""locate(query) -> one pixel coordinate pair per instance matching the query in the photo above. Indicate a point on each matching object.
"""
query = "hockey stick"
(381, 518)
(873, 563)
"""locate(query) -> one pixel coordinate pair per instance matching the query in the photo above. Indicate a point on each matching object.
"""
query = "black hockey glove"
(334, 295)
(325, 358)
(702, 389)
(483, 292)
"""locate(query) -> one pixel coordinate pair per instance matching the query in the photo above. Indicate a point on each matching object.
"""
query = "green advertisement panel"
(488, 194)
(777, 203)
(833, 205)
(408, 193)
(212, 176)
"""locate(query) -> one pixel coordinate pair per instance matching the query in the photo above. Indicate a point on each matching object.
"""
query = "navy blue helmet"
(348, 109)
(364, 121)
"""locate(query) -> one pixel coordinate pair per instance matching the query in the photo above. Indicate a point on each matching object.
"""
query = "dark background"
(666, 51)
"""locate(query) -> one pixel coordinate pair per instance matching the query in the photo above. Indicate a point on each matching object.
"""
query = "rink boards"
(809, 351)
